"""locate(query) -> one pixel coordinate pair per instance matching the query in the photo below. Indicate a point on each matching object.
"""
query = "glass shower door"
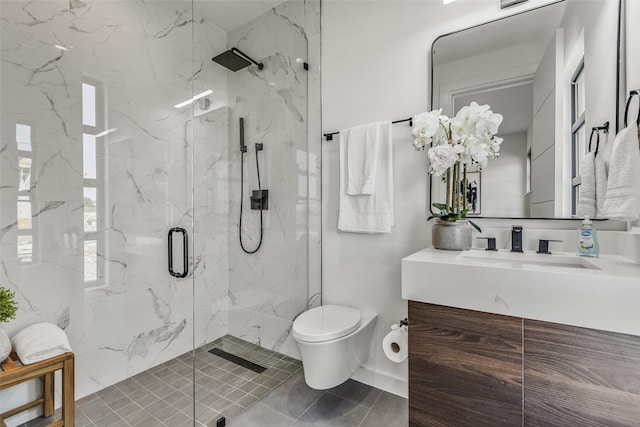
(247, 294)
(96, 168)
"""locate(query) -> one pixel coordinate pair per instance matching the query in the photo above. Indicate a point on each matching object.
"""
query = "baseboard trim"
(392, 384)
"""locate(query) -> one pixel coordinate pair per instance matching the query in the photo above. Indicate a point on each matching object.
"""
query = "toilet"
(334, 341)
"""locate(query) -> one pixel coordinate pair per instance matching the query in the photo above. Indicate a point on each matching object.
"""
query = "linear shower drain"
(238, 360)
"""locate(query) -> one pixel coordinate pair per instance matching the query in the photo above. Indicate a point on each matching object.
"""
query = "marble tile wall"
(145, 57)
(280, 105)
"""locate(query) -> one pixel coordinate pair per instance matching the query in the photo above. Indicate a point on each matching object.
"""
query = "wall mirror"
(553, 73)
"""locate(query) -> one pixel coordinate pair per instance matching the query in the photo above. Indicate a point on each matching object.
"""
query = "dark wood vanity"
(470, 368)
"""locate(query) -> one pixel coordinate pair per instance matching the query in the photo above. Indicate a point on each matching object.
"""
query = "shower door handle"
(185, 252)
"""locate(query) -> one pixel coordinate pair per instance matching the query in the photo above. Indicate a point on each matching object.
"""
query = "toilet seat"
(325, 323)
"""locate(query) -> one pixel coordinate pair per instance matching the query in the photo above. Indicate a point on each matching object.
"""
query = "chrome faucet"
(516, 238)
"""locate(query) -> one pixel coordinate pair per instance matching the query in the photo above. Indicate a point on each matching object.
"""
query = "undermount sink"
(599, 293)
(527, 259)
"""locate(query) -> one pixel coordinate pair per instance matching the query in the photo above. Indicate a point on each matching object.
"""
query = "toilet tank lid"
(326, 323)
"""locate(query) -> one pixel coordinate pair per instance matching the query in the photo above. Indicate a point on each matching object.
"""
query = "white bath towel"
(623, 185)
(368, 213)
(39, 342)
(362, 155)
(587, 197)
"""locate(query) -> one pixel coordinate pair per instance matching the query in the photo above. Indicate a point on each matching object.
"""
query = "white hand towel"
(623, 185)
(362, 155)
(39, 342)
(601, 184)
(587, 197)
(371, 213)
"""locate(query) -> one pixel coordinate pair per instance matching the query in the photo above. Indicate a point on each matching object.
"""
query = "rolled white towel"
(39, 342)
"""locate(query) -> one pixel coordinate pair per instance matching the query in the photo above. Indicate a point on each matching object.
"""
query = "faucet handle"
(491, 243)
(543, 245)
(516, 238)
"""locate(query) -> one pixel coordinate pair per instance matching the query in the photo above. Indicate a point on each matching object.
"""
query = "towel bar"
(329, 136)
(597, 129)
(632, 93)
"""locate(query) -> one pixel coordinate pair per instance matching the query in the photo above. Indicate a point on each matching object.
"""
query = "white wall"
(491, 69)
(506, 195)
(600, 50)
(586, 34)
(543, 135)
(376, 67)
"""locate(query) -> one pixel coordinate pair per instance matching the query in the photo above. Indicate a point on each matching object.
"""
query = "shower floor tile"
(163, 395)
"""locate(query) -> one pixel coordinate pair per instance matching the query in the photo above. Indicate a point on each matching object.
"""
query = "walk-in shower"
(101, 157)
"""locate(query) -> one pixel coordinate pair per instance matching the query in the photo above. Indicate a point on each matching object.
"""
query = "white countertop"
(605, 295)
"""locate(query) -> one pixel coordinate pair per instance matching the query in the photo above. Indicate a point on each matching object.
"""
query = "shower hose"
(241, 203)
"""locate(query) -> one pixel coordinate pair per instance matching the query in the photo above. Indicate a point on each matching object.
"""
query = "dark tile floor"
(351, 404)
(163, 395)
(278, 397)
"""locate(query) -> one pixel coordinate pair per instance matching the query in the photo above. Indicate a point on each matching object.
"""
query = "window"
(92, 125)
(578, 141)
(25, 203)
(529, 167)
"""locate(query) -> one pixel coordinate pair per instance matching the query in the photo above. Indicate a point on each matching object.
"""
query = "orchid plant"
(468, 139)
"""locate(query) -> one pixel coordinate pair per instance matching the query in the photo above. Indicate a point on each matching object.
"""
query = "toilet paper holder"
(403, 324)
(394, 343)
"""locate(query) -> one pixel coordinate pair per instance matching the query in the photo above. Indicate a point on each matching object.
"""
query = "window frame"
(28, 193)
(98, 184)
(578, 123)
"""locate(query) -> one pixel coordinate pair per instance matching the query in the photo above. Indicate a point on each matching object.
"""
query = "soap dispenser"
(588, 239)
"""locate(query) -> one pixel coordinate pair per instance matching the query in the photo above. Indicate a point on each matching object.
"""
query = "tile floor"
(351, 404)
(163, 395)
(279, 397)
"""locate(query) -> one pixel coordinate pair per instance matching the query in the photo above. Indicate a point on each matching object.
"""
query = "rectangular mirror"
(553, 73)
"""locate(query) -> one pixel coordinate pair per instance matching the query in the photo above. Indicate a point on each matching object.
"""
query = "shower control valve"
(260, 200)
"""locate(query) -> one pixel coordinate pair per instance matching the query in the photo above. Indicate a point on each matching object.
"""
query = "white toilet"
(334, 342)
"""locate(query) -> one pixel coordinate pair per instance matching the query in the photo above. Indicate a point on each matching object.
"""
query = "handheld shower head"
(243, 148)
(234, 60)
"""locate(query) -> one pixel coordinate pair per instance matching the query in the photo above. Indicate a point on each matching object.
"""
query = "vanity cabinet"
(474, 368)
(465, 367)
(579, 376)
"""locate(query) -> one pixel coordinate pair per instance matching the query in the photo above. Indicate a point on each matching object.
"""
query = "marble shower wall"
(280, 105)
(143, 59)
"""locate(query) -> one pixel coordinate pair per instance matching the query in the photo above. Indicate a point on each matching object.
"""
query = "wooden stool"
(13, 374)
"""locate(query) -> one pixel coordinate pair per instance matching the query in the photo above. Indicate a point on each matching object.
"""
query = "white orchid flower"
(468, 138)
(429, 128)
(442, 157)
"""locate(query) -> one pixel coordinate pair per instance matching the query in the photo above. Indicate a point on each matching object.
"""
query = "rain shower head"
(235, 60)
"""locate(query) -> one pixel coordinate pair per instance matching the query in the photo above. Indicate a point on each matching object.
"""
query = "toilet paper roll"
(395, 345)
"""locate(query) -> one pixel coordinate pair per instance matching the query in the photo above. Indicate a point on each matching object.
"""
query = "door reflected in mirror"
(552, 73)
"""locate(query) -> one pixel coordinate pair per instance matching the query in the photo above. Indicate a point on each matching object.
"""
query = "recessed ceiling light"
(447, 1)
